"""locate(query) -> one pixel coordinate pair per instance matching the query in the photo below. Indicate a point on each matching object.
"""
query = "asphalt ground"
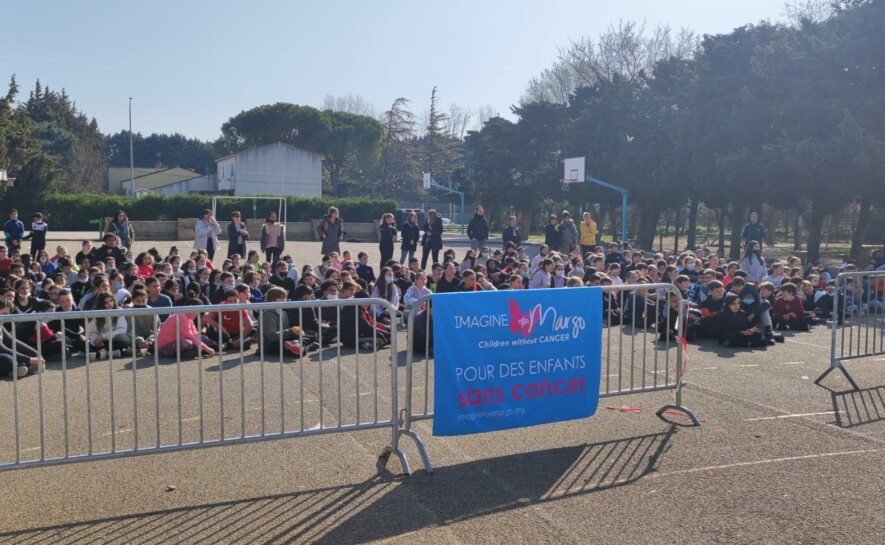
(777, 459)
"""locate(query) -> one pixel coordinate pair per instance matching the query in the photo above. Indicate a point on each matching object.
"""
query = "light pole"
(131, 156)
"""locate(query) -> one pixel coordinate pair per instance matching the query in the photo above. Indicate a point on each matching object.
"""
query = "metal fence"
(125, 400)
(858, 329)
(633, 360)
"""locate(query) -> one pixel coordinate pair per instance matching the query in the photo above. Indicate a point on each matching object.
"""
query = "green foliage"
(73, 212)
(167, 150)
(349, 143)
(69, 136)
(22, 154)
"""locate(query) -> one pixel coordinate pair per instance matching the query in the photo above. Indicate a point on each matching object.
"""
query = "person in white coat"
(206, 231)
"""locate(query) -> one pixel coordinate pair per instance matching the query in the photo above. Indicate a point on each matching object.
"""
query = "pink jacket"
(187, 330)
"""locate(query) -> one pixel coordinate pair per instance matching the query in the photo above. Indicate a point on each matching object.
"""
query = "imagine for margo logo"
(523, 323)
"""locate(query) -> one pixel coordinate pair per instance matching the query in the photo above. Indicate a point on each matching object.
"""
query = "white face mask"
(332, 296)
(559, 273)
(690, 266)
(579, 271)
(388, 279)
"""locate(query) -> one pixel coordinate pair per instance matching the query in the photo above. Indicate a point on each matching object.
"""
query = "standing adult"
(206, 231)
(236, 235)
(432, 240)
(478, 229)
(410, 234)
(331, 231)
(388, 237)
(121, 227)
(753, 230)
(587, 231)
(511, 234)
(569, 233)
(552, 235)
(273, 238)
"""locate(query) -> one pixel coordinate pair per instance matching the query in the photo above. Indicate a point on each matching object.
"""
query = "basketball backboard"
(573, 171)
(426, 180)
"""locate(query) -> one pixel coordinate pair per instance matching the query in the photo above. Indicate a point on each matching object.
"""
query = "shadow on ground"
(383, 506)
(858, 407)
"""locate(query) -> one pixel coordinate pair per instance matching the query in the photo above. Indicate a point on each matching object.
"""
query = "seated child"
(51, 342)
(734, 328)
(787, 312)
(178, 335)
(359, 328)
(235, 326)
(710, 309)
(275, 327)
(146, 325)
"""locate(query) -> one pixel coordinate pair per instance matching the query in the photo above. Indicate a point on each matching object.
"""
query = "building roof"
(157, 178)
(265, 146)
(118, 174)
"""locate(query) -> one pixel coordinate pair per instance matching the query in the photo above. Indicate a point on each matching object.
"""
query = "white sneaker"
(21, 371)
(114, 354)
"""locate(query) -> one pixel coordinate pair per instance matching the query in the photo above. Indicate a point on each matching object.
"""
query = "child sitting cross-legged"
(276, 335)
(787, 312)
(734, 328)
(178, 335)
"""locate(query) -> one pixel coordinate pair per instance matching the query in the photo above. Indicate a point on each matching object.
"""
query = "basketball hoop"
(573, 172)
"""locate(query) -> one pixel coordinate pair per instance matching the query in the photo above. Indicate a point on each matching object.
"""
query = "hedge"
(73, 212)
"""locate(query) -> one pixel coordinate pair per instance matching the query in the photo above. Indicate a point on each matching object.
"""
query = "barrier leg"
(681, 354)
(384, 457)
(845, 372)
(425, 459)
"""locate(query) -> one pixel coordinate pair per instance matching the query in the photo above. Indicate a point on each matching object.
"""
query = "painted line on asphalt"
(769, 461)
(778, 417)
(748, 365)
(791, 363)
(808, 344)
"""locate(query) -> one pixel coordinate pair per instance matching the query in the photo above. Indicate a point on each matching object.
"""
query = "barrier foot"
(681, 409)
(844, 372)
(384, 457)
(425, 459)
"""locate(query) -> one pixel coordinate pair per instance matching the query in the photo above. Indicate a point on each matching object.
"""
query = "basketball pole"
(432, 183)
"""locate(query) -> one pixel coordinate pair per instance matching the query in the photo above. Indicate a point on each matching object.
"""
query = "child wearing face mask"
(387, 289)
(758, 311)
(734, 327)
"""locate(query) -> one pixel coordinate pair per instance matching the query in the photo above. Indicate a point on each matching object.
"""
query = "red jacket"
(782, 306)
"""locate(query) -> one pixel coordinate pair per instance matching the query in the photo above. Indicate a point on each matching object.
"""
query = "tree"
(441, 151)
(349, 143)
(22, 155)
(399, 164)
(160, 150)
(69, 135)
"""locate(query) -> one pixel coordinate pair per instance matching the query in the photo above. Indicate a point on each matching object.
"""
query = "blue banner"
(515, 358)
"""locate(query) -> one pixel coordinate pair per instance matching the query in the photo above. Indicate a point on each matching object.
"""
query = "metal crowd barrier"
(633, 361)
(858, 329)
(88, 407)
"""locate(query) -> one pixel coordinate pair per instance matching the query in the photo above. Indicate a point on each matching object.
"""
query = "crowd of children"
(726, 302)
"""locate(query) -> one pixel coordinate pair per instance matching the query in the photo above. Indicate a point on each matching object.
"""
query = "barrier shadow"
(382, 507)
(855, 408)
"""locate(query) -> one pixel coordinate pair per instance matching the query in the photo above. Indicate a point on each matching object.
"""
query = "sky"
(190, 65)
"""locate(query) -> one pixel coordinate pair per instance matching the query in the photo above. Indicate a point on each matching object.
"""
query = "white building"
(274, 169)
